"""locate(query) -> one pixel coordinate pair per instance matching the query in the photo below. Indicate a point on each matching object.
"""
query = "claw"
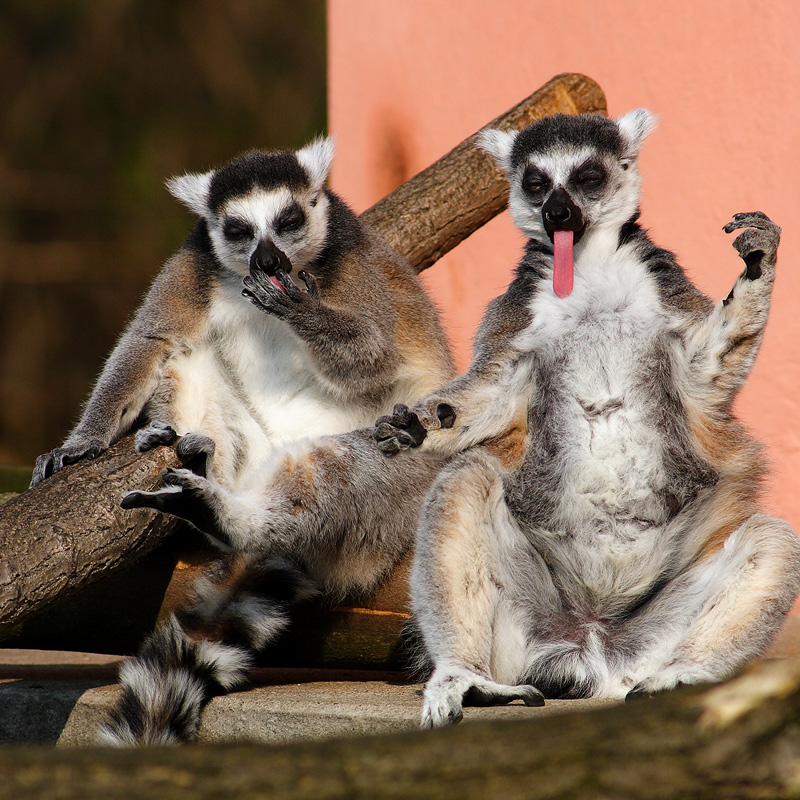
(311, 283)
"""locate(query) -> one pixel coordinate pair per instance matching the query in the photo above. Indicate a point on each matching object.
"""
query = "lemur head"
(264, 210)
(573, 174)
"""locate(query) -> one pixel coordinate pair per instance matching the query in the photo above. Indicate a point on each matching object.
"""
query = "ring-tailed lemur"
(296, 512)
(293, 362)
(596, 531)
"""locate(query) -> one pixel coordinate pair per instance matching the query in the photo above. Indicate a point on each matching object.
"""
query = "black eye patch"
(235, 230)
(290, 219)
(590, 175)
(534, 182)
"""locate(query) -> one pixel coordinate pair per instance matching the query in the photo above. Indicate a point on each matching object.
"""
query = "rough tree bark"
(739, 740)
(432, 212)
(69, 531)
(52, 542)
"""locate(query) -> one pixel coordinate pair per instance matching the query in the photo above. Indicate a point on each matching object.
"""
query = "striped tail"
(204, 650)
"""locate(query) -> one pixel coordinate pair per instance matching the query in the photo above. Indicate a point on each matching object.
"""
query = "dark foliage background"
(99, 103)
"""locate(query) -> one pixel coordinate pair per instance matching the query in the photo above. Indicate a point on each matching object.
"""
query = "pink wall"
(409, 80)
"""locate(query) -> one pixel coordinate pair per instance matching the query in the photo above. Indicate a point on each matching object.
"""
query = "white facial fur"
(610, 208)
(260, 210)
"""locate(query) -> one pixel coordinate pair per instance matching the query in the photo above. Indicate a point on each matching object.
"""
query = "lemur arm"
(481, 405)
(470, 410)
(352, 350)
(721, 349)
(167, 318)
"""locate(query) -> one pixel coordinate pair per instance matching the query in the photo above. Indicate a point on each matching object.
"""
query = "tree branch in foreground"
(737, 740)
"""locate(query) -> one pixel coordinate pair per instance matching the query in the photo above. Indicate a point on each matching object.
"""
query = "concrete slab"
(60, 698)
(67, 713)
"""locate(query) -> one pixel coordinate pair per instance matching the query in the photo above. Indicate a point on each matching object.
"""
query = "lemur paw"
(399, 431)
(758, 244)
(178, 485)
(196, 451)
(646, 690)
(496, 694)
(443, 703)
(448, 692)
(156, 434)
(285, 302)
(183, 494)
(48, 464)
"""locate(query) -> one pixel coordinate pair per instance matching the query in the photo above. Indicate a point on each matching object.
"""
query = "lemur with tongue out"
(596, 531)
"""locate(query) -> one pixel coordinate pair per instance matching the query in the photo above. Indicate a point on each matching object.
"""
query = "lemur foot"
(156, 434)
(184, 494)
(196, 451)
(446, 694)
(48, 464)
(399, 431)
(669, 678)
(758, 244)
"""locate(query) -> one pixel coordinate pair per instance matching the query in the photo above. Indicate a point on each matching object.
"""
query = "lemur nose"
(266, 257)
(560, 212)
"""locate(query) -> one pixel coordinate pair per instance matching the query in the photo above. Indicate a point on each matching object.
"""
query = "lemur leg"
(205, 649)
(191, 493)
(458, 597)
(229, 518)
(722, 348)
(722, 612)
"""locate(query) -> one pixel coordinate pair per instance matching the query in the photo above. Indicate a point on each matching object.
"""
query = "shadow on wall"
(101, 102)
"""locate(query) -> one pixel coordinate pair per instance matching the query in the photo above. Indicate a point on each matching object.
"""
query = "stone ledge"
(68, 712)
(60, 699)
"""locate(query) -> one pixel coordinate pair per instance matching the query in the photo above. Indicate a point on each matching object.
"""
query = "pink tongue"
(562, 263)
(277, 283)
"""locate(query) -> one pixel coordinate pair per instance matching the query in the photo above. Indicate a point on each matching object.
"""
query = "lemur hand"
(758, 244)
(48, 464)
(286, 301)
(399, 431)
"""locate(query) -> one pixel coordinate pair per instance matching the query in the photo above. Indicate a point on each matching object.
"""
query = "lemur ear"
(316, 159)
(498, 144)
(635, 127)
(192, 190)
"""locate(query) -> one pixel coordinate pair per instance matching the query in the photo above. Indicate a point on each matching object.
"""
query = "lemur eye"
(290, 219)
(235, 230)
(534, 181)
(589, 176)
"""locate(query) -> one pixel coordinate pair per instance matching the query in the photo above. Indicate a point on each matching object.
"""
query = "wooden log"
(739, 740)
(68, 532)
(65, 534)
(432, 212)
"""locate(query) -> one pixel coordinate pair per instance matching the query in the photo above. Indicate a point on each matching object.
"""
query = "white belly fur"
(252, 388)
(610, 456)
